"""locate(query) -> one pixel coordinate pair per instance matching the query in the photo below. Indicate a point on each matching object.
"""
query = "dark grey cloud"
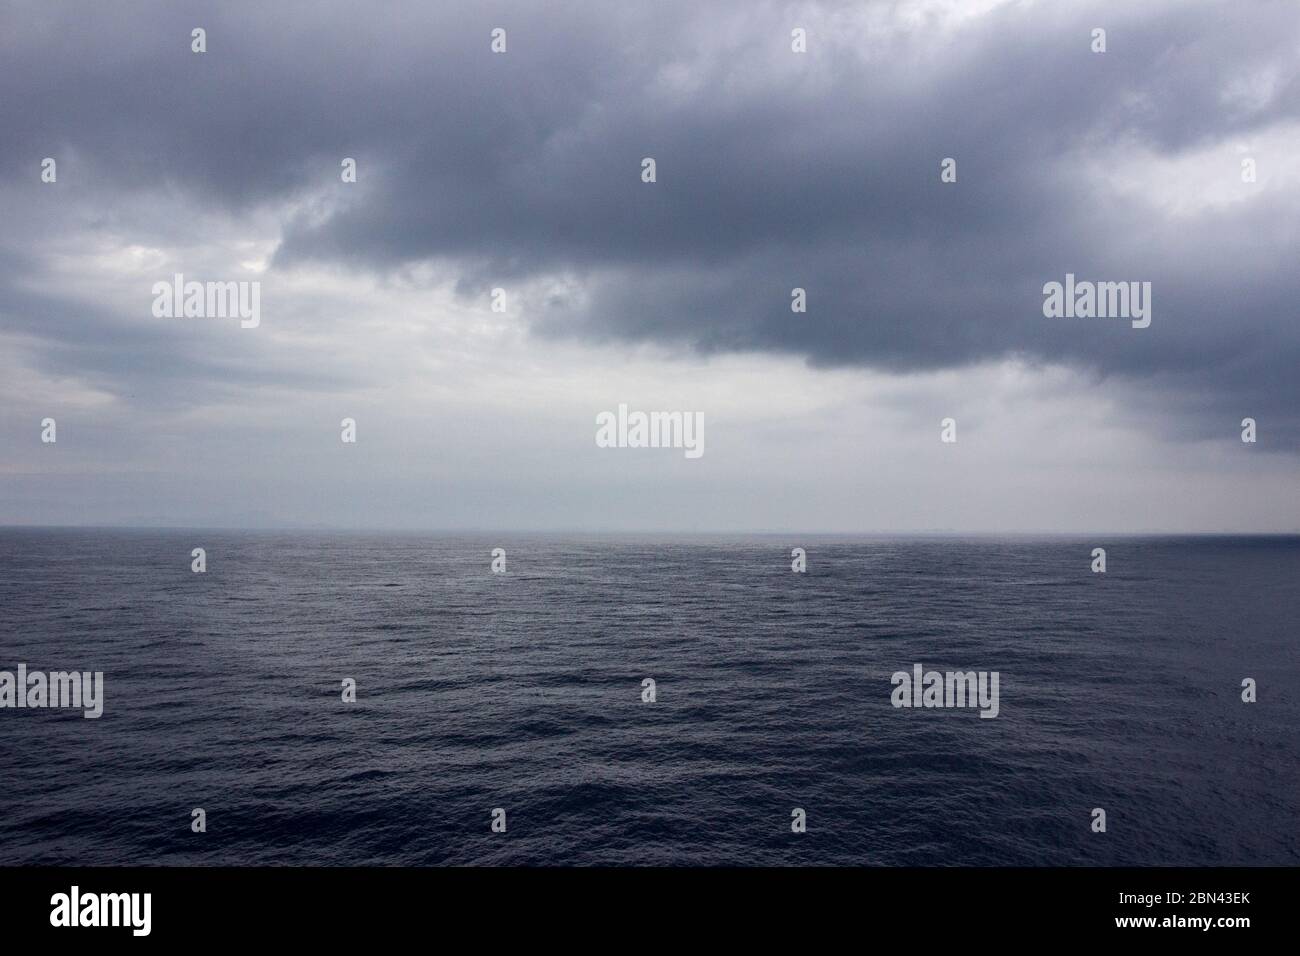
(774, 170)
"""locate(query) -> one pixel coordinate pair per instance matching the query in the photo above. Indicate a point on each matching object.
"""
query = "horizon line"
(897, 533)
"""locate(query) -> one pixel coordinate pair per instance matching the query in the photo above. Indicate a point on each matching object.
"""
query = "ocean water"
(523, 691)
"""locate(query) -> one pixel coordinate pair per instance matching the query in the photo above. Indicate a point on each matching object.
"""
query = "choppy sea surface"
(523, 691)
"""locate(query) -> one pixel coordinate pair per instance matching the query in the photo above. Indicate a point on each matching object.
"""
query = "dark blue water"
(523, 691)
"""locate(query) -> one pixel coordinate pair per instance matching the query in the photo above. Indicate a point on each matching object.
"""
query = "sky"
(522, 171)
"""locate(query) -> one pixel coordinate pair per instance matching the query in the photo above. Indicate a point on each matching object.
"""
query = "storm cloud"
(775, 170)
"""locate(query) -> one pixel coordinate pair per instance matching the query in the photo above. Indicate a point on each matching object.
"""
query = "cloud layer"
(775, 170)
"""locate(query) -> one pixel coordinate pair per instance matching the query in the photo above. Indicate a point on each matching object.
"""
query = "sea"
(519, 697)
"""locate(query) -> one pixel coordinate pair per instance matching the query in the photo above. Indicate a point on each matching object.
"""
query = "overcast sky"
(775, 169)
